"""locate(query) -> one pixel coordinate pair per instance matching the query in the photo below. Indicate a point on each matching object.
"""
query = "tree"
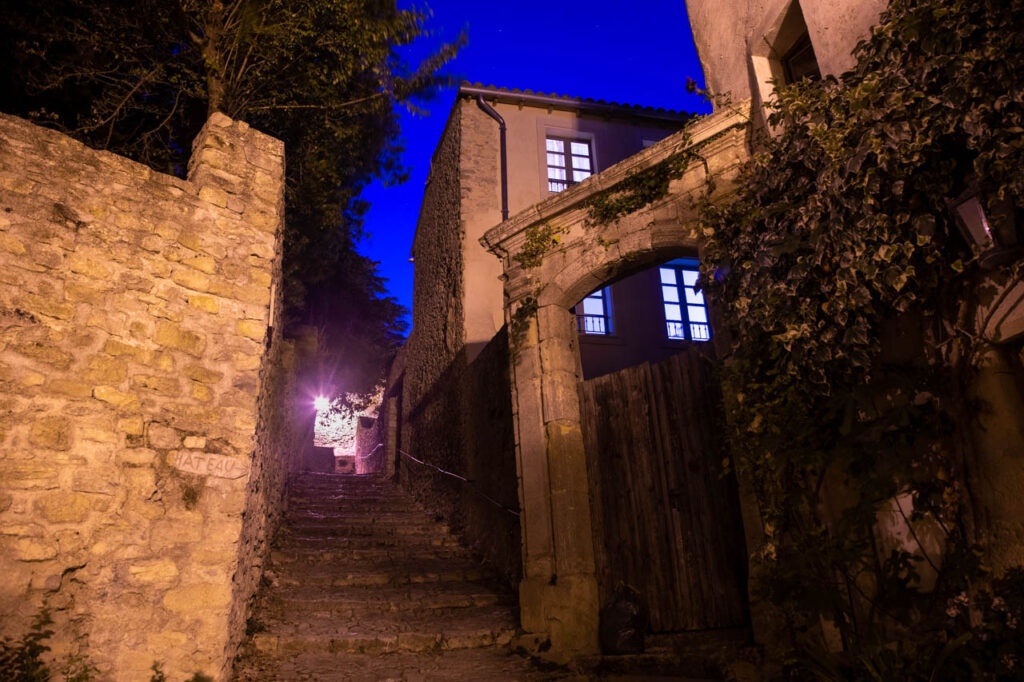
(140, 78)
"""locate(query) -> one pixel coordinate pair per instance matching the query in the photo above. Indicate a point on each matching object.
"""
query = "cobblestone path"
(366, 585)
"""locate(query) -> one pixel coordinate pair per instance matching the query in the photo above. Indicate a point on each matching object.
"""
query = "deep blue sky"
(638, 52)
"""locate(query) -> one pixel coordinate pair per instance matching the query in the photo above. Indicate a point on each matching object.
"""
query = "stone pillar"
(997, 478)
(558, 594)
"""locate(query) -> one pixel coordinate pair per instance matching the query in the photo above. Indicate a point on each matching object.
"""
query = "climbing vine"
(637, 190)
(519, 325)
(540, 239)
(840, 237)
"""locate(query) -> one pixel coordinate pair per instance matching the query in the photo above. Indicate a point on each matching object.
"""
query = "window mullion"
(684, 305)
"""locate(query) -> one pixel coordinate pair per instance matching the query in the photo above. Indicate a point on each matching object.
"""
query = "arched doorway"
(560, 593)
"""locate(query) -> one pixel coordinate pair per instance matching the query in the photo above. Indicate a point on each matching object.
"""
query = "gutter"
(489, 110)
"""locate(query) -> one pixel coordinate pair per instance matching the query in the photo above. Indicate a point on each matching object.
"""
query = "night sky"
(626, 52)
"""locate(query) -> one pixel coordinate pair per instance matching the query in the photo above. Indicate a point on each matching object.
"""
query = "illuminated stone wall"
(135, 315)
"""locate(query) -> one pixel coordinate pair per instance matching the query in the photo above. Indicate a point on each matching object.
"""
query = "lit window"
(594, 313)
(686, 313)
(569, 162)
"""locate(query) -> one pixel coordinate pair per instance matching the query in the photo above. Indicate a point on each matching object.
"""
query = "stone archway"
(559, 593)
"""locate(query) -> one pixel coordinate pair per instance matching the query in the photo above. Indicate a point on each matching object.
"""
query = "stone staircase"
(363, 584)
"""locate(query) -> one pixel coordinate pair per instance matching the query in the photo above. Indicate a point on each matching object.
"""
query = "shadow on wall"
(464, 425)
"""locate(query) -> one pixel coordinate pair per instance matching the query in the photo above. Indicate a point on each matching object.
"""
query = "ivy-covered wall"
(861, 378)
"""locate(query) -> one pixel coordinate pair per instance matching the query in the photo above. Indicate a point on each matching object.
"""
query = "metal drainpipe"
(489, 110)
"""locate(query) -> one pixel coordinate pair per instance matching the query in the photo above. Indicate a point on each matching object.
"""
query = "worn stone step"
(492, 664)
(355, 503)
(315, 555)
(413, 597)
(415, 531)
(398, 575)
(381, 520)
(383, 633)
(336, 543)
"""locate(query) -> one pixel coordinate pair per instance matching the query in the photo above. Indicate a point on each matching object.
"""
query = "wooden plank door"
(666, 519)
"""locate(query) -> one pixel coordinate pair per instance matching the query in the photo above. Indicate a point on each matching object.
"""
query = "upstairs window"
(569, 162)
(686, 313)
(594, 313)
(799, 61)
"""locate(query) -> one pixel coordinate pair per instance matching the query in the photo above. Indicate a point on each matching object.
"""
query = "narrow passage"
(364, 584)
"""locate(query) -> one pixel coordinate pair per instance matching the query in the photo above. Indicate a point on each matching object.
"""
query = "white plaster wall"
(728, 33)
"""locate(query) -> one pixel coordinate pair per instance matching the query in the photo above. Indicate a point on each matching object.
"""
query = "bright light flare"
(321, 403)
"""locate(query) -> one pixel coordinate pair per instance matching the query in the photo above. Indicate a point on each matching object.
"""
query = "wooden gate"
(666, 521)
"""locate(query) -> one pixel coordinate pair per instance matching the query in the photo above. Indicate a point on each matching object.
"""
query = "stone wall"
(369, 452)
(443, 420)
(134, 331)
(489, 460)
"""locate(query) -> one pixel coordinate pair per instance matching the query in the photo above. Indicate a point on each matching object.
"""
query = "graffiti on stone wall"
(208, 464)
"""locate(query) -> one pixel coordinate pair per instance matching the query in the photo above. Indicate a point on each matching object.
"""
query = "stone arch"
(553, 256)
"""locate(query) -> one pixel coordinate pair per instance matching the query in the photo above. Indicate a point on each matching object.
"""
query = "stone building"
(446, 399)
(450, 400)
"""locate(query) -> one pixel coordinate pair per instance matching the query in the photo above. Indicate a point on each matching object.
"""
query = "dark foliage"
(140, 78)
(840, 234)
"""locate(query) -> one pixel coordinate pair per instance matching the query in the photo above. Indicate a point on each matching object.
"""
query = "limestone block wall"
(434, 353)
(441, 420)
(134, 318)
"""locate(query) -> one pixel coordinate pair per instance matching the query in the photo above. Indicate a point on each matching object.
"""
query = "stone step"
(472, 628)
(315, 555)
(412, 573)
(414, 531)
(337, 543)
(355, 503)
(492, 664)
(423, 597)
(361, 519)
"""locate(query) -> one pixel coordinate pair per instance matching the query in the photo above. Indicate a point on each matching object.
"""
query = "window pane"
(556, 159)
(668, 276)
(580, 176)
(675, 330)
(556, 186)
(593, 306)
(555, 146)
(556, 173)
(690, 277)
(579, 148)
(581, 162)
(673, 312)
(700, 332)
(697, 313)
(670, 294)
(694, 296)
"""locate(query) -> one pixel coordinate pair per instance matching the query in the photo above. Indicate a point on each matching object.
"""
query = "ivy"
(540, 239)
(637, 190)
(519, 324)
(839, 236)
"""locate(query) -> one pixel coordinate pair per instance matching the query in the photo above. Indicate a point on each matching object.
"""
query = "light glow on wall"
(336, 422)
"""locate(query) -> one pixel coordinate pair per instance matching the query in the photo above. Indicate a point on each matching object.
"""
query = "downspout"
(489, 110)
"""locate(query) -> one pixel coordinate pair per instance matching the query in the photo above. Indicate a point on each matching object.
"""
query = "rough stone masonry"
(136, 341)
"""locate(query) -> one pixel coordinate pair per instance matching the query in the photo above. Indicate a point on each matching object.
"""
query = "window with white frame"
(594, 313)
(569, 161)
(686, 312)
